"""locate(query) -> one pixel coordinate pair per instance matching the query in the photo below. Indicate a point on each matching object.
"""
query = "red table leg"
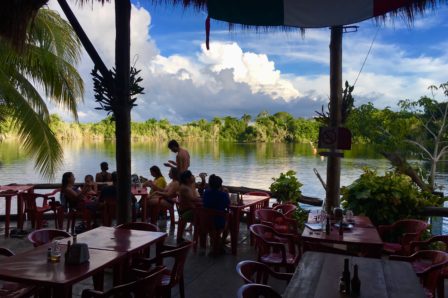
(235, 230)
(145, 207)
(20, 215)
(7, 214)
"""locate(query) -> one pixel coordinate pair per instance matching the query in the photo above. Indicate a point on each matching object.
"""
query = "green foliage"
(45, 63)
(280, 127)
(386, 199)
(301, 216)
(286, 188)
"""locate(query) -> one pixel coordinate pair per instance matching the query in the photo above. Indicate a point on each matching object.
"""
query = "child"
(90, 188)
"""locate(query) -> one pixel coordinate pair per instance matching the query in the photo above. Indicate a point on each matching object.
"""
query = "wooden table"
(9, 191)
(143, 193)
(121, 240)
(318, 276)
(32, 267)
(254, 203)
(362, 238)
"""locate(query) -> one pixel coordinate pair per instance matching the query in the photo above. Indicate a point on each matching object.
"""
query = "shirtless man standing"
(182, 162)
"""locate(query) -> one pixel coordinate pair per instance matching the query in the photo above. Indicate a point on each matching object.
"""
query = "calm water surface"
(250, 165)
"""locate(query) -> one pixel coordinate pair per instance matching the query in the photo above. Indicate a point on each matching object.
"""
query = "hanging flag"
(301, 13)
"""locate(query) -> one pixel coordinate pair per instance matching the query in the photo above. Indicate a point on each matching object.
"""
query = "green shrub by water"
(386, 199)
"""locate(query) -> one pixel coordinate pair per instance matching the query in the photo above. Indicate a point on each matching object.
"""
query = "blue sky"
(247, 72)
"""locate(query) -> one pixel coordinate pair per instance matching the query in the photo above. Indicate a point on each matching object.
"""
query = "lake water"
(250, 165)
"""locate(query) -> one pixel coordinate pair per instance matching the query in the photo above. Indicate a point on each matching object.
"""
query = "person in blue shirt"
(215, 198)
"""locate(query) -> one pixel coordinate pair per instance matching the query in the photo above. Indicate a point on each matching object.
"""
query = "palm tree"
(41, 70)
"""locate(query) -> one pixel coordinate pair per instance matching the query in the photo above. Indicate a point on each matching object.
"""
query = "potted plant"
(286, 189)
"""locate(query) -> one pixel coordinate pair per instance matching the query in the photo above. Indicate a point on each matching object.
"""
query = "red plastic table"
(32, 267)
(248, 201)
(7, 192)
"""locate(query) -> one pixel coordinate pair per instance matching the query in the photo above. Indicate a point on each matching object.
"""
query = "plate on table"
(345, 225)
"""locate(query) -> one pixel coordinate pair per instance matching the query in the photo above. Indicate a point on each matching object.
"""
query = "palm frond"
(52, 33)
(36, 136)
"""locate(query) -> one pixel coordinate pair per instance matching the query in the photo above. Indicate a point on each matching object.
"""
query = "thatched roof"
(16, 15)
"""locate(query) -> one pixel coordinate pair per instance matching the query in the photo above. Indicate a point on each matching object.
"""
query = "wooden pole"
(122, 108)
(90, 49)
(334, 161)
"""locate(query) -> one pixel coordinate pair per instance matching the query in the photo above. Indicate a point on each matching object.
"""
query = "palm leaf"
(36, 136)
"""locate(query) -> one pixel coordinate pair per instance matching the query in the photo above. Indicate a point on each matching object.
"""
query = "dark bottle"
(341, 228)
(327, 226)
(345, 279)
(67, 252)
(49, 254)
(356, 283)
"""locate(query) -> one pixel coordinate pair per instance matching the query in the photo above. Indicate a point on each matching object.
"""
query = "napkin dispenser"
(77, 254)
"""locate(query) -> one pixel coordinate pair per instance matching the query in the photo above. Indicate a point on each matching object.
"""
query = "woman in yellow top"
(159, 182)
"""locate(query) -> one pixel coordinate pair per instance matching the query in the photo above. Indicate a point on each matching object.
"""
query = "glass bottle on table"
(356, 283)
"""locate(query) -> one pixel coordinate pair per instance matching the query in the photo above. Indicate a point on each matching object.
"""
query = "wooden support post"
(90, 49)
(122, 108)
(334, 161)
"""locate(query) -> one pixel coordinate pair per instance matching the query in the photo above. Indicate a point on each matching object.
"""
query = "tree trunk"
(122, 108)
(334, 161)
(403, 167)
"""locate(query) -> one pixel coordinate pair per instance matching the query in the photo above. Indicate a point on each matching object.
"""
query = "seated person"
(73, 197)
(217, 199)
(164, 199)
(90, 188)
(109, 192)
(188, 199)
(159, 182)
(104, 175)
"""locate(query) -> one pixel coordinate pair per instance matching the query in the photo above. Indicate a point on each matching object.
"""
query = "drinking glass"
(56, 251)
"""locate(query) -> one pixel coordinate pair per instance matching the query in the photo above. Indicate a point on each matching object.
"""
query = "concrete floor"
(205, 276)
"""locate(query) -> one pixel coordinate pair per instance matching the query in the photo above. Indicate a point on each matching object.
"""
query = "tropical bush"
(286, 188)
(386, 199)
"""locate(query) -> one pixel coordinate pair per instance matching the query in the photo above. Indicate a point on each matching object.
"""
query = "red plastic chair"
(174, 275)
(155, 210)
(276, 249)
(398, 236)
(141, 288)
(79, 212)
(419, 245)
(260, 205)
(278, 221)
(13, 289)
(256, 272)
(204, 224)
(256, 291)
(35, 212)
(286, 209)
(109, 211)
(43, 236)
(428, 265)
